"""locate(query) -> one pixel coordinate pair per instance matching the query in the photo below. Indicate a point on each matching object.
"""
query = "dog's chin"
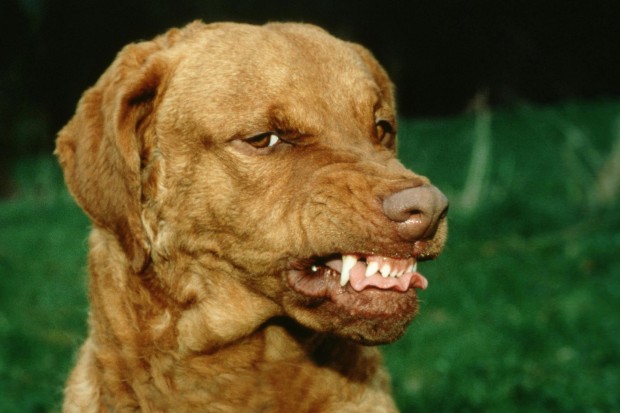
(365, 306)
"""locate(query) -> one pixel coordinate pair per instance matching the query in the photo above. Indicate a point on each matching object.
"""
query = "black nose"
(418, 211)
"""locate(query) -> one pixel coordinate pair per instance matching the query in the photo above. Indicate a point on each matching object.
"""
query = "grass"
(523, 308)
(42, 284)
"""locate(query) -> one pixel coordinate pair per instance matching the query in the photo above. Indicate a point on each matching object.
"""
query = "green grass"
(42, 283)
(523, 309)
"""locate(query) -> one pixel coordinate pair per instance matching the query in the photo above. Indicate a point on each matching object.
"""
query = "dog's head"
(263, 158)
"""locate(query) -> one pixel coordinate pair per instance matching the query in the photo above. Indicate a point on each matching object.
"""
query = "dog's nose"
(417, 210)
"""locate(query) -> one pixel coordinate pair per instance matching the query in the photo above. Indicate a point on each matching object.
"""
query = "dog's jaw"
(375, 313)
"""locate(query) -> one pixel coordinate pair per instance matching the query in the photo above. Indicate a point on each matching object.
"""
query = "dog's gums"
(377, 271)
(366, 285)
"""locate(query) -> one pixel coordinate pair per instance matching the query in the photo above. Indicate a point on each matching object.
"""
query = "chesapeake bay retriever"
(253, 232)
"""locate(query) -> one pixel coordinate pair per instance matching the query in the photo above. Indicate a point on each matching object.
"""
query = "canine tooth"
(372, 268)
(413, 267)
(385, 270)
(348, 262)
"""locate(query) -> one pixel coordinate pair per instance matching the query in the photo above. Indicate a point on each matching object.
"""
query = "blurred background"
(511, 107)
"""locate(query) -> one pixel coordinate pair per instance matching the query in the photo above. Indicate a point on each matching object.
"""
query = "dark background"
(439, 53)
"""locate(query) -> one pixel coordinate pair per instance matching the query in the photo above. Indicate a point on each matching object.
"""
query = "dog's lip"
(373, 296)
(324, 288)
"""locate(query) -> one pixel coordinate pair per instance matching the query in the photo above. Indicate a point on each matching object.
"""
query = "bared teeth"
(372, 268)
(371, 265)
(348, 262)
(385, 270)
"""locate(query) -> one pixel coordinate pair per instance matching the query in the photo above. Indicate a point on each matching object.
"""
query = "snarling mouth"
(365, 285)
(376, 271)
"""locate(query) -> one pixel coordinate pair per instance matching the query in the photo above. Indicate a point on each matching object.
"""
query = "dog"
(253, 234)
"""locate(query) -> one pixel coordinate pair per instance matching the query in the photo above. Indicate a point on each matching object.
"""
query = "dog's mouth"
(384, 273)
(365, 285)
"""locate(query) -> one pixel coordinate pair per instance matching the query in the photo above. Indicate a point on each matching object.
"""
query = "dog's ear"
(101, 148)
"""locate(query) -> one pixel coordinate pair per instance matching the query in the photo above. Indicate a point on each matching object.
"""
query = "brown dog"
(253, 231)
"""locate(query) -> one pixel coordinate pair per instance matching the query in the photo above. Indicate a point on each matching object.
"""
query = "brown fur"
(194, 230)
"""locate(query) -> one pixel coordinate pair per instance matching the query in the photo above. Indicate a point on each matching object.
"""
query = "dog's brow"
(283, 121)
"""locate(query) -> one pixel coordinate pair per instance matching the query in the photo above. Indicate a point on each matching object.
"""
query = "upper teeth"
(387, 267)
(372, 268)
(348, 262)
(385, 270)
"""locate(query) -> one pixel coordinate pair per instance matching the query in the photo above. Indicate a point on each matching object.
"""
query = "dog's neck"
(176, 303)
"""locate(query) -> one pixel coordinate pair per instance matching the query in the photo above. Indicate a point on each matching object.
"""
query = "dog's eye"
(385, 133)
(264, 140)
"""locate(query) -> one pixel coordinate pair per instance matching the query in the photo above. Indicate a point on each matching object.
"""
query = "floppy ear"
(100, 148)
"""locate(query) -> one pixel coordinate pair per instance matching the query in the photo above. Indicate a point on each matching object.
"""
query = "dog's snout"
(417, 210)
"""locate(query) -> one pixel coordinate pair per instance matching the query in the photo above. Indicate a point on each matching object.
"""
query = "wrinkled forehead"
(247, 70)
(270, 56)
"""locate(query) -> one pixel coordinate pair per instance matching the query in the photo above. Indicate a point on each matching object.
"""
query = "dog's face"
(265, 155)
